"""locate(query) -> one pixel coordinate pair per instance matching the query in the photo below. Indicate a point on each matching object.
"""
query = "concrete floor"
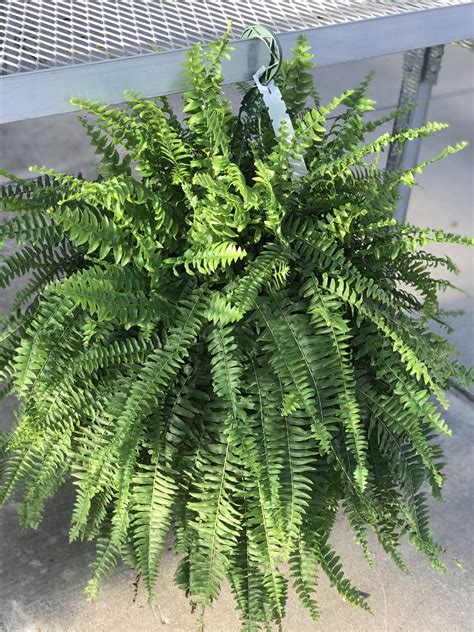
(42, 575)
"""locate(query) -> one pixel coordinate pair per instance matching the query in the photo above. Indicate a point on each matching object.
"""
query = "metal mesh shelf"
(39, 34)
(95, 45)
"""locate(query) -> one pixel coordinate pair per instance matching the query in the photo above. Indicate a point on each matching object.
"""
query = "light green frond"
(210, 258)
(111, 294)
(296, 78)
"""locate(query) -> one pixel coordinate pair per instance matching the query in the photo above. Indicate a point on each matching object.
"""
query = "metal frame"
(420, 73)
(388, 27)
(47, 48)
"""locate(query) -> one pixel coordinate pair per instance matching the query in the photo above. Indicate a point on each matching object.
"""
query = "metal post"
(420, 73)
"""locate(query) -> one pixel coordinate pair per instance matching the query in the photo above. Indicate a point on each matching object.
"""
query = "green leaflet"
(206, 346)
(112, 294)
(327, 322)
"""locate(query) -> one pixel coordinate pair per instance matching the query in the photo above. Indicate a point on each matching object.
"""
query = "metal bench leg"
(420, 73)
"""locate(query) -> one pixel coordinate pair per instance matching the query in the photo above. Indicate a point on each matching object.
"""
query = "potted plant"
(208, 345)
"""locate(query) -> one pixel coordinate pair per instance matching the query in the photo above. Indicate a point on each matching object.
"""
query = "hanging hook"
(266, 73)
(271, 94)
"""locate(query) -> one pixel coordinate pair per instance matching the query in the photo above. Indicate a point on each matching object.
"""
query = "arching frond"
(206, 344)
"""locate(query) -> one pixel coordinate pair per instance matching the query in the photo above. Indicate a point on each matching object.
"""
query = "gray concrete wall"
(42, 575)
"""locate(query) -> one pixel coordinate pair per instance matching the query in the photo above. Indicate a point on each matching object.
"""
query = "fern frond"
(330, 564)
(296, 78)
(297, 371)
(327, 321)
(303, 565)
(111, 294)
(215, 522)
(153, 495)
(207, 260)
(33, 229)
(205, 344)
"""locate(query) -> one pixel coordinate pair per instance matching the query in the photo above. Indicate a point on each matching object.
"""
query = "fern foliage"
(206, 345)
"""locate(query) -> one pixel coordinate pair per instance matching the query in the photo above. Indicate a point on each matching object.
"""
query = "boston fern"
(206, 344)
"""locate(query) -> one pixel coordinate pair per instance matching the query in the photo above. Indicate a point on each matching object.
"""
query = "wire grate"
(38, 34)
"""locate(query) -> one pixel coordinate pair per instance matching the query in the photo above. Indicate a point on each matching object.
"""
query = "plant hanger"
(264, 81)
(274, 47)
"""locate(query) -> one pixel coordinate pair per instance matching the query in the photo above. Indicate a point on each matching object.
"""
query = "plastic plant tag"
(277, 111)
